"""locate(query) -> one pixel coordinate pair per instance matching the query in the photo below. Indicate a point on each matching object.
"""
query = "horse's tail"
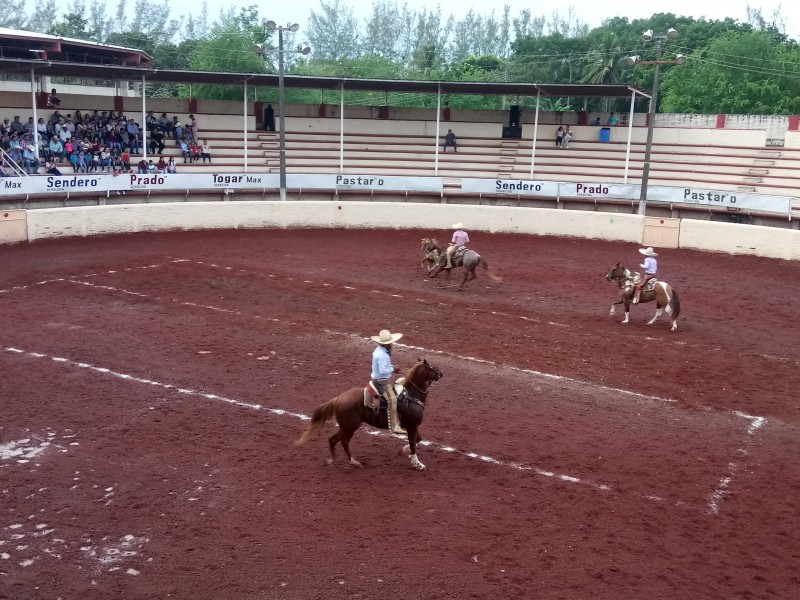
(323, 413)
(676, 303)
(485, 265)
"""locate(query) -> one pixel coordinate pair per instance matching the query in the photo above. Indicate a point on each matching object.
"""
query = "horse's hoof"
(420, 467)
(328, 461)
(355, 463)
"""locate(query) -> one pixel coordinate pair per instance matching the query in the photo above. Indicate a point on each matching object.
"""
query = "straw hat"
(648, 251)
(459, 225)
(386, 337)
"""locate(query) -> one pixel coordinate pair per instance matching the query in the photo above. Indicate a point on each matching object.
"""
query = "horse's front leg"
(627, 306)
(413, 440)
(613, 310)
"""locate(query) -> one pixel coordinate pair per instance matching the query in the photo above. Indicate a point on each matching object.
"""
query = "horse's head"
(423, 374)
(617, 273)
(429, 244)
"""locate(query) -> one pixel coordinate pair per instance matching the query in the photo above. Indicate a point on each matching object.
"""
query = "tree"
(12, 14)
(333, 32)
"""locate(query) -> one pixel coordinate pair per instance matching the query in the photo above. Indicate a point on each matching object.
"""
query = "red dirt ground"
(655, 465)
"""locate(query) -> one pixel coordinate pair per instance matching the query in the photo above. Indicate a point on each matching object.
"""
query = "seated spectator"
(126, 161)
(205, 152)
(143, 168)
(6, 127)
(150, 122)
(73, 159)
(171, 166)
(94, 166)
(450, 141)
(156, 142)
(186, 151)
(612, 120)
(15, 154)
(567, 138)
(597, 121)
(151, 168)
(195, 152)
(161, 167)
(559, 136)
(164, 123)
(83, 164)
(116, 165)
(52, 168)
(178, 131)
(41, 127)
(3, 172)
(16, 126)
(105, 160)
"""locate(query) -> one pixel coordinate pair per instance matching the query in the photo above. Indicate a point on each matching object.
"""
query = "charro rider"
(650, 266)
(382, 371)
(460, 238)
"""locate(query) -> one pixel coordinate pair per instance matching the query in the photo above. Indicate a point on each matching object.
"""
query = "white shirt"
(382, 367)
(650, 265)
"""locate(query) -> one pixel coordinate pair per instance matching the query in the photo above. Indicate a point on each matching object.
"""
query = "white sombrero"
(386, 337)
(459, 225)
(648, 251)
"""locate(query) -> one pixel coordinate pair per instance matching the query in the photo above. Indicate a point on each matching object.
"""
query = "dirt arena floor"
(153, 386)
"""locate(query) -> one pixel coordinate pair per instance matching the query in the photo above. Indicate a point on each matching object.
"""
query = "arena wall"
(700, 235)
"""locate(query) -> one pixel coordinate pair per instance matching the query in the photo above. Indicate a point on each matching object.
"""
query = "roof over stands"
(126, 73)
(21, 44)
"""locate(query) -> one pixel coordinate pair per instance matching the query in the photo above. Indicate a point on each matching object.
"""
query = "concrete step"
(752, 180)
(745, 188)
(764, 163)
(770, 153)
(758, 171)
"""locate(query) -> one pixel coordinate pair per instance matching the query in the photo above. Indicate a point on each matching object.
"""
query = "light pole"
(261, 49)
(651, 116)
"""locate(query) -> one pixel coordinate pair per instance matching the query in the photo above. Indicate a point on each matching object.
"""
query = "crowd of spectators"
(96, 142)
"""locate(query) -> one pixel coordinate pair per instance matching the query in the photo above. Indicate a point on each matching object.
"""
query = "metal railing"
(8, 162)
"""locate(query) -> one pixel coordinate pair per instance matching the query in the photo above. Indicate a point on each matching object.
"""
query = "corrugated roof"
(120, 73)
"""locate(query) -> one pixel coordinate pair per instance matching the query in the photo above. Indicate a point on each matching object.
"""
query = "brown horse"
(350, 411)
(435, 255)
(666, 298)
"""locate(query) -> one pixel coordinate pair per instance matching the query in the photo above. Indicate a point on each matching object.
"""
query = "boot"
(394, 419)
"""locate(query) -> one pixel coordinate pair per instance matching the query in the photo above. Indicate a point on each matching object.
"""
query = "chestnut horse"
(350, 411)
(666, 297)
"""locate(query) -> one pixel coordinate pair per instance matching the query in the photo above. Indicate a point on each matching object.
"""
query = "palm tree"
(605, 63)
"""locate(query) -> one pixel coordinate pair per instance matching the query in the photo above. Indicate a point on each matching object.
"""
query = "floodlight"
(303, 49)
(647, 35)
(271, 25)
(258, 48)
(293, 27)
(672, 33)
(632, 60)
(680, 59)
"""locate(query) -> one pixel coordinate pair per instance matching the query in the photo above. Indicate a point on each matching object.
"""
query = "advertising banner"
(596, 190)
(376, 183)
(721, 198)
(510, 187)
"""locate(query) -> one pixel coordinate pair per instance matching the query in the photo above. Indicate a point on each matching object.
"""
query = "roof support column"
(630, 133)
(143, 128)
(535, 131)
(244, 112)
(341, 130)
(35, 116)
(438, 118)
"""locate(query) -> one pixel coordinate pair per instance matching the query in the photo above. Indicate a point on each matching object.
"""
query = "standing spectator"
(53, 100)
(450, 141)
(193, 128)
(567, 138)
(175, 124)
(612, 120)
(559, 136)
(269, 118)
(205, 152)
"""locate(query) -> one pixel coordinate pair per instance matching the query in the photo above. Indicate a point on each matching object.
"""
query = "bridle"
(428, 385)
(623, 278)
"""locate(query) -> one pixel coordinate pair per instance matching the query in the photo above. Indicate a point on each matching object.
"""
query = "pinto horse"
(665, 296)
(350, 412)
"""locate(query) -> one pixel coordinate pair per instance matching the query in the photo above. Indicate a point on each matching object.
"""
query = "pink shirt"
(460, 237)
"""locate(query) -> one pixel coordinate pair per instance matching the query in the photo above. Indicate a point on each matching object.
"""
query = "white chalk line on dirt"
(278, 411)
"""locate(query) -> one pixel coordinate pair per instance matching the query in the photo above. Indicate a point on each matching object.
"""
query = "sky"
(592, 12)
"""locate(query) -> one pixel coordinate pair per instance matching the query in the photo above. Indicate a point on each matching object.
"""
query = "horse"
(665, 296)
(469, 260)
(350, 412)
(432, 251)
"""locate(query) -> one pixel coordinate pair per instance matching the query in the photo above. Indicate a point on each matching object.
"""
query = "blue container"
(605, 134)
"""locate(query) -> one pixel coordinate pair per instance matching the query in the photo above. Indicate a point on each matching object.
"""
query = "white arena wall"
(132, 218)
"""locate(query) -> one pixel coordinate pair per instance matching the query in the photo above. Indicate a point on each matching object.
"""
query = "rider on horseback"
(382, 371)
(460, 238)
(650, 266)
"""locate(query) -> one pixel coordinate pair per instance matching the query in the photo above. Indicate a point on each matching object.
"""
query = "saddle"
(459, 251)
(649, 286)
(375, 400)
